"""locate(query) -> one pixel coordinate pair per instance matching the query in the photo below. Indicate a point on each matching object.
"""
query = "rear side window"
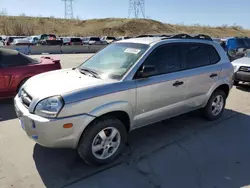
(214, 56)
(199, 55)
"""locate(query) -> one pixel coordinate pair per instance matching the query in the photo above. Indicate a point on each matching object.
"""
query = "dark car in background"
(49, 39)
(72, 41)
(16, 68)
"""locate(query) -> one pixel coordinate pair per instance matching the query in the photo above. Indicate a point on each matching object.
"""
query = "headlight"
(49, 107)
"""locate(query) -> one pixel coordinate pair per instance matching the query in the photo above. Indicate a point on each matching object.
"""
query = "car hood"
(245, 61)
(59, 82)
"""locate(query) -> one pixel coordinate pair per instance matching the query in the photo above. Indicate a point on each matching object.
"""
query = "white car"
(108, 39)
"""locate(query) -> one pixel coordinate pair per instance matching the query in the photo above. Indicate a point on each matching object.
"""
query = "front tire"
(215, 105)
(102, 141)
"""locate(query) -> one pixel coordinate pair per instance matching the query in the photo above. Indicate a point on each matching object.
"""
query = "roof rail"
(187, 36)
(153, 35)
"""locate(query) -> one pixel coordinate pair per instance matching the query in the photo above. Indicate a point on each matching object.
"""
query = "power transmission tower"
(136, 8)
(68, 9)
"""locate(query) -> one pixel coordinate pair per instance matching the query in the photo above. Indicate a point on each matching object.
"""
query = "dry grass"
(23, 25)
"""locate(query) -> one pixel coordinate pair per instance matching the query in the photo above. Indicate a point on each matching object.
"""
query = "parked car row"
(51, 39)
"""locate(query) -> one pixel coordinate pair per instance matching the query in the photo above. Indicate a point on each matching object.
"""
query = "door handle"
(213, 75)
(178, 83)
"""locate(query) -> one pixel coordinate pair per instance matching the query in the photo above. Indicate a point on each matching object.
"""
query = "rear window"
(95, 39)
(110, 38)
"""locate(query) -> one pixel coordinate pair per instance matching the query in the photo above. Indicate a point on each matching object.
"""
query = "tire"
(236, 83)
(208, 110)
(91, 134)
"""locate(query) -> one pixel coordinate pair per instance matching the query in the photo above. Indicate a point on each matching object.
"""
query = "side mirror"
(147, 70)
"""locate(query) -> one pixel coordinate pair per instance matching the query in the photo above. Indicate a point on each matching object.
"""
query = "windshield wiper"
(93, 73)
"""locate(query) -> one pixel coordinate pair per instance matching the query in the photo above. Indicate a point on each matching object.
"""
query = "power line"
(136, 8)
(68, 9)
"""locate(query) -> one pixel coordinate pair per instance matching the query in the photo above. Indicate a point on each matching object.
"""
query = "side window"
(196, 56)
(165, 59)
(214, 56)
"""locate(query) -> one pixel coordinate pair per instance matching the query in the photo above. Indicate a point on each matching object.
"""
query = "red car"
(16, 68)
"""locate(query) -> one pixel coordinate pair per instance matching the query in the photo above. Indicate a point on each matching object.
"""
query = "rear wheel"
(215, 105)
(102, 141)
(236, 83)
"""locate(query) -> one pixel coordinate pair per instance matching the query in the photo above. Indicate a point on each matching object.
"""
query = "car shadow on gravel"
(7, 110)
(63, 167)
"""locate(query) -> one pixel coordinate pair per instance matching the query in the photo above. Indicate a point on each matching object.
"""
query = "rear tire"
(215, 105)
(97, 146)
(236, 83)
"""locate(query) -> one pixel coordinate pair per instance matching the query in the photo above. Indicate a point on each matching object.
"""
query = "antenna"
(68, 9)
(136, 8)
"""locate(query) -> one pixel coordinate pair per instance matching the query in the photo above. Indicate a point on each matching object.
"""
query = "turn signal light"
(68, 125)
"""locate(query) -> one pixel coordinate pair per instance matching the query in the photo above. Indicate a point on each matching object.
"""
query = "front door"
(160, 95)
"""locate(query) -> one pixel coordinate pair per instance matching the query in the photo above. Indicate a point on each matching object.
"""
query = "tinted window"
(95, 39)
(110, 38)
(165, 59)
(196, 56)
(214, 56)
(76, 40)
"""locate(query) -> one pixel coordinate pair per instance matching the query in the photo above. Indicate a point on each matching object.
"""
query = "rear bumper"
(242, 76)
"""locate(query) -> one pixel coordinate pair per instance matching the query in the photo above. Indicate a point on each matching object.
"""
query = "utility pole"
(68, 9)
(136, 8)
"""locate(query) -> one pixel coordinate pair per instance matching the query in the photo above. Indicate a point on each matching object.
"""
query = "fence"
(34, 50)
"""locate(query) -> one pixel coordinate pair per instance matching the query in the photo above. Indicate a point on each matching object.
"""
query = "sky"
(187, 12)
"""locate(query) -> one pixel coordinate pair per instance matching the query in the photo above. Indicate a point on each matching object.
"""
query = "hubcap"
(217, 105)
(106, 143)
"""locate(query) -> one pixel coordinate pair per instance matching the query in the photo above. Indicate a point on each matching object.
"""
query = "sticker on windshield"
(132, 50)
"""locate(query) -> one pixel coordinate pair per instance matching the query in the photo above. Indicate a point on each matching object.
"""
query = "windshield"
(243, 43)
(115, 60)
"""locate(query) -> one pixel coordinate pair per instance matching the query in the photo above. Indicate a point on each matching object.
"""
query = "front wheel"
(215, 105)
(102, 141)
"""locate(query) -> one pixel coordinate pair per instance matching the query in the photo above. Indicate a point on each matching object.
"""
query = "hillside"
(10, 25)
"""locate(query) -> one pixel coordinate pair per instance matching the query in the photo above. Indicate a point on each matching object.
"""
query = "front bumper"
(50, 132)
(242, 76)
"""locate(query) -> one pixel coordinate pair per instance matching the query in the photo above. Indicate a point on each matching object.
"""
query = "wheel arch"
(121, 110)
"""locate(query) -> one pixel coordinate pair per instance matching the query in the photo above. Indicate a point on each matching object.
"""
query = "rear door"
(201, 71)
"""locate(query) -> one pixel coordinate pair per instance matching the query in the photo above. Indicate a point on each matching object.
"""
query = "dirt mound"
(10, 25)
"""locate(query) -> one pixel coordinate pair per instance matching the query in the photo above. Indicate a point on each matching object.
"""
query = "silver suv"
(127, 85)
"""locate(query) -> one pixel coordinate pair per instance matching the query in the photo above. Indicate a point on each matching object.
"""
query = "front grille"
(25, 98)
(245, 69)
